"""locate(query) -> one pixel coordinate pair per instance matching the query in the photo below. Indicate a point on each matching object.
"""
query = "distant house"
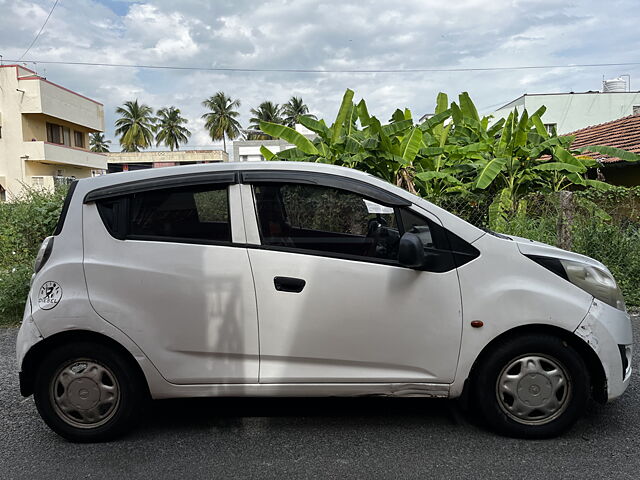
(567, 112)
(44, 133)
(125, 161)
(249, 150)
(622, 133)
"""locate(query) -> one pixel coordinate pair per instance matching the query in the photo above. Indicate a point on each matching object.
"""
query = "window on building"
(78, 139)
(199, 213)
(54, 133)
(37, 181)
(551, 128)
(58, 134)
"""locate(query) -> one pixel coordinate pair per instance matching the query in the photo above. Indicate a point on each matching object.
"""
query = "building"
(621, 133)
(44, 132)
(125, 161)
(567, 112)
(249, 150)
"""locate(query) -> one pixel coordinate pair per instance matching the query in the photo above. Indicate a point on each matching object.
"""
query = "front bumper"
(608, 332)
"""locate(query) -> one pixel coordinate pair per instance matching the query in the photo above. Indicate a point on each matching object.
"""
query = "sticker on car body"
(49, 295)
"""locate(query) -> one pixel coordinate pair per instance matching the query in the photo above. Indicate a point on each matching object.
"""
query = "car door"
(164, 266)
(334, 304)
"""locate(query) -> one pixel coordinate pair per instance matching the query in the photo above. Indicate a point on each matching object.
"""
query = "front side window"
(195, 214)
(330, 220)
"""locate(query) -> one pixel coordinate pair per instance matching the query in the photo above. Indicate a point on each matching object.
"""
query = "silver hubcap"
(85, 394)
(533, 389)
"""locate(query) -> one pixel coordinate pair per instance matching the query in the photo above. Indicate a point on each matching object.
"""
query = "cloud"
(308, 34)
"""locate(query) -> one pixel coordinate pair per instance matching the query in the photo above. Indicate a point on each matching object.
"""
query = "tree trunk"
(565, 220)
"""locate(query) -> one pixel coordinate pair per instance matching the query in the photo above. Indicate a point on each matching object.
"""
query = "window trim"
(160, 183)
(372, 192)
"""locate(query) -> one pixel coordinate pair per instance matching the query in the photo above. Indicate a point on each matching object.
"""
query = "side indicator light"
(477, 323)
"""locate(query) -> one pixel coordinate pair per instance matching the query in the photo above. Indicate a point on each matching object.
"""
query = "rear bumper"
(608, 332)
(28, 336)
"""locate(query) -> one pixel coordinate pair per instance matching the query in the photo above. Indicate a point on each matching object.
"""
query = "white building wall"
(573, 111)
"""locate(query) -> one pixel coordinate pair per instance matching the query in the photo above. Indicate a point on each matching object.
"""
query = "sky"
(321, 35)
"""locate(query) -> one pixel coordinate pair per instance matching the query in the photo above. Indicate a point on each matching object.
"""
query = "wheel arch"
(596, 370)
(36, 354)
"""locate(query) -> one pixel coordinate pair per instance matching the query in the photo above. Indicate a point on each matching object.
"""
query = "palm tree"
(293, 110)
(135, 126)
(266, 112)
(221, 120)
(170, 129)
(98, 143)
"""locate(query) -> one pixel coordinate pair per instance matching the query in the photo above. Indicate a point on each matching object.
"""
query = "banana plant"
(454, 152)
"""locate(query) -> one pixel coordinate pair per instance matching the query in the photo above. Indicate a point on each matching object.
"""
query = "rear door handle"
(289, 284)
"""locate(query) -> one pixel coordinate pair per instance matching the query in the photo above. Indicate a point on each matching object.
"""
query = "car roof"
(149, 173)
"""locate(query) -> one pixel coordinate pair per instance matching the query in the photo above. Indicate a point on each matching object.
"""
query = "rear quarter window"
(197, 213)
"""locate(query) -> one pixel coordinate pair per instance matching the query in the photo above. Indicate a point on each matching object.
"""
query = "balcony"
(42, 96)
(63, 155)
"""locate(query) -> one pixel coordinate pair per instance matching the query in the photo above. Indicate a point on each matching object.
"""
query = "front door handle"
(289, 284)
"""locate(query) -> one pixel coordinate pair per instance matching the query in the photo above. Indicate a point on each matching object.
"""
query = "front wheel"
(86, 392)
(533, 387)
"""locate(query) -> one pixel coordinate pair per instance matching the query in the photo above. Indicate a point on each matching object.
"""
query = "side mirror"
(411, 251)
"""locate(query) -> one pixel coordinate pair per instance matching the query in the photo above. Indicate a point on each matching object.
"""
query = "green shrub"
(24, 223)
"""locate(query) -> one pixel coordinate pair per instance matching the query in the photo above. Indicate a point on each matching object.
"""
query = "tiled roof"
(622, 133)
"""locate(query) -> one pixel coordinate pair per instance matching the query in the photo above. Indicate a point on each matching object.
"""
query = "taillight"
(43, 254)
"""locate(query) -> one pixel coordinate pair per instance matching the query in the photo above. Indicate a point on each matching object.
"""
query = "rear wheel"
(533, 387)
(86, 392)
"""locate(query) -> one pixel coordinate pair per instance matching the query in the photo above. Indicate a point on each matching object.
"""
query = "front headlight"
(594, 281)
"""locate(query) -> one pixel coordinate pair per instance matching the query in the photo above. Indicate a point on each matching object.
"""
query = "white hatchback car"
(302, 279)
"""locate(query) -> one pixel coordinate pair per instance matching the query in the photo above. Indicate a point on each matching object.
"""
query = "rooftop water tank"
(614, 85)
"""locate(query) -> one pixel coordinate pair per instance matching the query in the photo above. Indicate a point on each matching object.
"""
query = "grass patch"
(9, 322)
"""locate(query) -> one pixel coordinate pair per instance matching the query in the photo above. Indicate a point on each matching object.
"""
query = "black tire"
(109, 368)
(548, 361)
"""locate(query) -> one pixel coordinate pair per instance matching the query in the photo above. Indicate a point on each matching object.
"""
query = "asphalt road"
(312, 438)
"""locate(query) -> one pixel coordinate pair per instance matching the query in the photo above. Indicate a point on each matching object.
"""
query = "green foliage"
(98, 143)
(221, 120)
(290, 135)
(170, 129)
(266, 112)
(293, 110)
(24, 223)
(135, 126)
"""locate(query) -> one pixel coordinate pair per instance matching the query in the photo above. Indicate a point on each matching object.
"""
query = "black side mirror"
(411, 251)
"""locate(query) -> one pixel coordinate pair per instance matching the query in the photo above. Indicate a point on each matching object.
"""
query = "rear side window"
(195, 213)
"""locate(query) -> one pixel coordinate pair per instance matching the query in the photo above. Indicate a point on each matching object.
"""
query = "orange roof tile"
(621, 133)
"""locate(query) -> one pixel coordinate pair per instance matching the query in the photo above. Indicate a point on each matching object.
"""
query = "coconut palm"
(98, 143)
(170, 130)
(266, 112)
(221, 120)
(135, 126)
(293, 110)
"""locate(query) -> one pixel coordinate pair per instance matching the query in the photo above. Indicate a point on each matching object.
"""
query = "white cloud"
(337, 34)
